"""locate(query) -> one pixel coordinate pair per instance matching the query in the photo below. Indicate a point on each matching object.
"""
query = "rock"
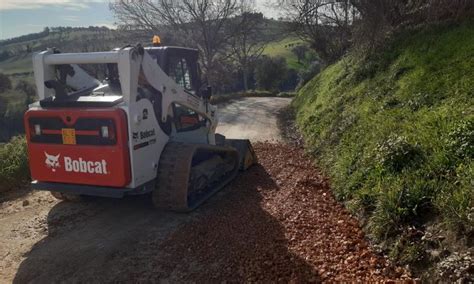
(435, 253)
(26, 202)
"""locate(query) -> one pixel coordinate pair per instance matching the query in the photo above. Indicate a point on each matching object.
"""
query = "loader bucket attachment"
(247, 155)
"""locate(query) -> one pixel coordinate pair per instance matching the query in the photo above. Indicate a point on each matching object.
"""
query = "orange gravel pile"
(277, 222)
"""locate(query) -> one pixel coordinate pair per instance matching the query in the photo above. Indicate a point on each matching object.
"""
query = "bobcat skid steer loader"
(147, 126)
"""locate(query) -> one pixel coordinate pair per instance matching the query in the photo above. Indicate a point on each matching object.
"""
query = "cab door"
(188, 125)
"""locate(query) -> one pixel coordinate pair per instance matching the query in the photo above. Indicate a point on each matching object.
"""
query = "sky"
(20, 17)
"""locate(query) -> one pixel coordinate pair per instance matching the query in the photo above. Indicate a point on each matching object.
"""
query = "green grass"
(396, 131)
(282, 48)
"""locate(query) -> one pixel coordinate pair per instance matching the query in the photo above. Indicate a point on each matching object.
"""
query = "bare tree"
(332, 26)
(198, 23)
(380, 18)
(300, 52)
(324, 24)
(248, 42)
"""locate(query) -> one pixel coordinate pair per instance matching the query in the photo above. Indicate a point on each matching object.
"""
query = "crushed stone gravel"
(277, 222)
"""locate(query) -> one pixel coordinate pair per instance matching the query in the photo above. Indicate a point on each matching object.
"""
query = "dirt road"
(275, 222)
(251, 118)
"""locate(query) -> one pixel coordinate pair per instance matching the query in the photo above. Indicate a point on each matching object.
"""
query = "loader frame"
(130, 62)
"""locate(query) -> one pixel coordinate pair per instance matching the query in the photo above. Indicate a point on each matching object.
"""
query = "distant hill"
(283, 48)
(16, 53)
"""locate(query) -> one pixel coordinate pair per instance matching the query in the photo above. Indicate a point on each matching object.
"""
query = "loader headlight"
(37, 129)
(104, 131)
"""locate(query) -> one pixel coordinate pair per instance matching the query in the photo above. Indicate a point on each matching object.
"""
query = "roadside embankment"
(395, 132)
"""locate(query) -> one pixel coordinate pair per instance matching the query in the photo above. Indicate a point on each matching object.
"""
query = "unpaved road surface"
(251, 118)
(276, 222)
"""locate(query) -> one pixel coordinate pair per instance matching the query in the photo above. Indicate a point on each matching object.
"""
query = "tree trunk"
(245, 77)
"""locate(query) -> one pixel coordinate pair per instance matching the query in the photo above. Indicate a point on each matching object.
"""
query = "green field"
(17, 64)
(71, 41)
(282, 48)
(279, 48)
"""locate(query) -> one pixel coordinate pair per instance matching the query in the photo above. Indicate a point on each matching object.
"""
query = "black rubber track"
(171, 192)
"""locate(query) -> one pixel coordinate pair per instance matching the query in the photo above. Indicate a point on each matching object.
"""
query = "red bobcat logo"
(83, 166)
(52, 161)
(79, 166)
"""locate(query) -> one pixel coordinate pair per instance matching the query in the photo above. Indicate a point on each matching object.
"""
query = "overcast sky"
(19, 17)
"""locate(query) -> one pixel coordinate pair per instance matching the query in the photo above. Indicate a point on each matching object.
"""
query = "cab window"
(187, 119)
(179, 71)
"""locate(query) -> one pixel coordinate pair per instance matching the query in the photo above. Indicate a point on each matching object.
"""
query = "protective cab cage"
(165, 58)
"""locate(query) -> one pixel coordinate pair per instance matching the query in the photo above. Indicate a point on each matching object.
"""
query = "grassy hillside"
(396, 134)
(282, 48)
(17, 64)
(278, 48)
(95, 39)
(73, 40)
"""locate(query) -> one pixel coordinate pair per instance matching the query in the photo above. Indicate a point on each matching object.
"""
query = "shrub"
(457, 202)
(14, 170)
(28, 89)
(380, 18)
(307, 74)
(300, 52)
(396, 153)
(270, 72)
(11, 120)
(290, 81)
(460, 140)
(5, 83)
